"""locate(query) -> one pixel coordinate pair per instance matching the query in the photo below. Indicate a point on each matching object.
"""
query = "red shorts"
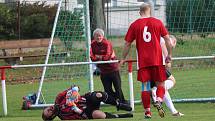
(152, 73)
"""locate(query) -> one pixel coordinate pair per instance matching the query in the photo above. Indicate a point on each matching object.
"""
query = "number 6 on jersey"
(146, 35)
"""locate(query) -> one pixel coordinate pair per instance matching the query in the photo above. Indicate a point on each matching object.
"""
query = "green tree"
(37, 19)
(35, 26)
(7, 22)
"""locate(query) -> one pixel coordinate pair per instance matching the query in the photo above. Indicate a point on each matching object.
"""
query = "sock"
(125, 115)
(109, 115)
(160, 93)
(146, 99)
(153, 95)
(168, 101)
(168, 84)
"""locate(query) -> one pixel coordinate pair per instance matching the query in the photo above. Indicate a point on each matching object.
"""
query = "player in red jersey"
(88, 107)
(147, 31)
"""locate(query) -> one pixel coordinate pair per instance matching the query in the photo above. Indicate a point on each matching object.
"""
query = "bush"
(35, 26)
(37, 19)
(7, 22)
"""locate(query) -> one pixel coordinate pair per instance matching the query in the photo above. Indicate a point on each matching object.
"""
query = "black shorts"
(168, 74)
(92, 103)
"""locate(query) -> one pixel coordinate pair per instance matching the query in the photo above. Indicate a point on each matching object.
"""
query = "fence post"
(130, 79)
(4, 99)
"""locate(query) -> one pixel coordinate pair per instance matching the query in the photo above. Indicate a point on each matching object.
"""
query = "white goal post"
(78, 55)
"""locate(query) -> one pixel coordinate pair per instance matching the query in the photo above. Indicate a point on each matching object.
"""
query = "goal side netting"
(193, 64)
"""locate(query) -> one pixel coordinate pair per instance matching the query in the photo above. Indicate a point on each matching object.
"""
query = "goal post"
(193, 64)
(71, 26)
(48, 52)
(73, 29)
(191, 21)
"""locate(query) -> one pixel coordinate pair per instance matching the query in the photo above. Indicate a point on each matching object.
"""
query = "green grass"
(190, 83)
(194, 79)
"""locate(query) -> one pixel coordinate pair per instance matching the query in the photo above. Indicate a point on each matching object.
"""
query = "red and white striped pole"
(4, 99)
(130, 80)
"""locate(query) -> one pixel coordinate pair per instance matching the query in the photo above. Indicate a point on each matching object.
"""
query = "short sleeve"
(130, 35)
(162, 40)
(164, 31)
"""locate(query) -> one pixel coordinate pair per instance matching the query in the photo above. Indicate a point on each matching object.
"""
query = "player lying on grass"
(86, 106)
(169, 83)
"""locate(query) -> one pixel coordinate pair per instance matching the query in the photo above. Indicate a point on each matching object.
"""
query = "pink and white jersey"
(147, 33)
(162, 41)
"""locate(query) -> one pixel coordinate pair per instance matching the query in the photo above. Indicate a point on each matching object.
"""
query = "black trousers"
(113, 79)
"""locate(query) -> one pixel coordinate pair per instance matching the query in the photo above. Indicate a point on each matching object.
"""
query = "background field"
(195, 78)
(189, 80)
(191, 21)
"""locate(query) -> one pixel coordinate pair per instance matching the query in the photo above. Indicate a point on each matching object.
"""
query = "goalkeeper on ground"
(170, 82)
(87, 107)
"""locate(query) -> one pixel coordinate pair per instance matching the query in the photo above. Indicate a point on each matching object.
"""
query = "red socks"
(160, 93)
(146, 99)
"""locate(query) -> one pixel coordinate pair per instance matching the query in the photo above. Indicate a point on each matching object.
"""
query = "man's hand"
(84, 115)
(121, 62)
(168, 66)
(168, 59)
(77, 110)
(99, 57)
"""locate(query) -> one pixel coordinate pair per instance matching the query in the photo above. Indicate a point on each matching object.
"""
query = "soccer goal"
(71, 28)
(191, 21)
(193, 65)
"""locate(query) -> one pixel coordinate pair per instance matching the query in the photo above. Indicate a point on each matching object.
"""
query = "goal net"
(191, 22)
(70, 27)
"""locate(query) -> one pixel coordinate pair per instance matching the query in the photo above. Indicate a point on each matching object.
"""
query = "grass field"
(189, 81)
(195, 79)
(193, 112)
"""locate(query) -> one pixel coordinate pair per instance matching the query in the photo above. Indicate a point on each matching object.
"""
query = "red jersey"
(65, 112)
(147, 33)
(105, 50)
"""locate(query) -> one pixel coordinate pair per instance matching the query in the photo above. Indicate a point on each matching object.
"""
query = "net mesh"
(191, 21)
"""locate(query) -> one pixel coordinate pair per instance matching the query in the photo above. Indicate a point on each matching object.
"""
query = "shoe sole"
(177, 114)
(161, 113)
(160, 109)
(148, 117)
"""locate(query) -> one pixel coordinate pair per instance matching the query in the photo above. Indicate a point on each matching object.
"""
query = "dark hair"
(50, 118)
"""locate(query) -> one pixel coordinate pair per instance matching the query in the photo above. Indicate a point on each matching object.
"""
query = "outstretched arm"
(125, 52)
(169, 48)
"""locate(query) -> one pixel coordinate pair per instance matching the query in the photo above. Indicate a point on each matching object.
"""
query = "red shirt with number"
(147, 33)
